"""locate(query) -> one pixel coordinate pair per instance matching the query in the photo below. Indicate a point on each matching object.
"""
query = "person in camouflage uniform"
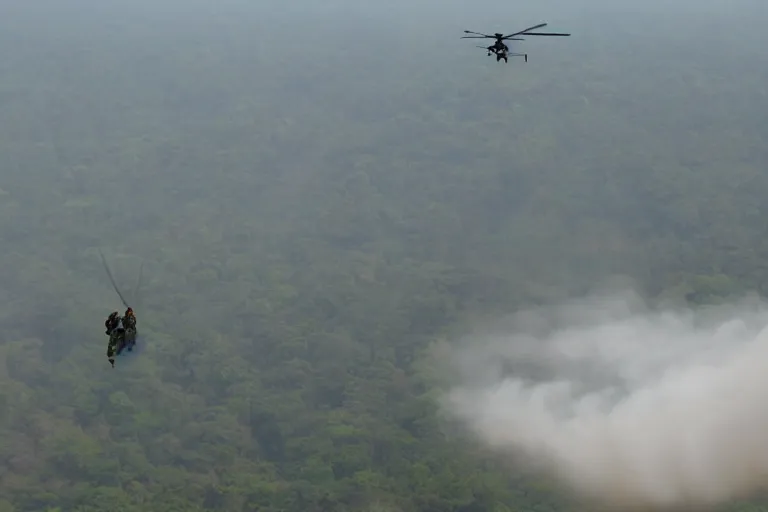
(122, 333)
(112, 322)
(116, 342)
(129, 320)
(129, 324)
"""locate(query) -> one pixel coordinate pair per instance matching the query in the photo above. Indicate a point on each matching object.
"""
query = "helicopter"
(502, 50)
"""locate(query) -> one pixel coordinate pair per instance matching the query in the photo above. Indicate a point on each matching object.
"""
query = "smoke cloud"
(630, 407)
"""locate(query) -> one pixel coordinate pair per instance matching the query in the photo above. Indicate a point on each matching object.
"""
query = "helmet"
(129, 311)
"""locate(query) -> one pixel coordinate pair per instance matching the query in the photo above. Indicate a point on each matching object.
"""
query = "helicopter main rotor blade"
(479, 34)
(475, 37)
(526, 30)
(545, 34)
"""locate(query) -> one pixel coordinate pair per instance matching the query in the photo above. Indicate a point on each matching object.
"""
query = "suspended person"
(129, 324)
(116, 338)
(113, 320)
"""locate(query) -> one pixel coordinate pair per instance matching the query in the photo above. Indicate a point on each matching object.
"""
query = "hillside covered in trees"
(320, 196)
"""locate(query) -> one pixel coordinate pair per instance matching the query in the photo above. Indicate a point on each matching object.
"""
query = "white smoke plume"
(635, 409)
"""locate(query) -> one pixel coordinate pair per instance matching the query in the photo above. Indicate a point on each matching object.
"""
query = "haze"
(324, 193)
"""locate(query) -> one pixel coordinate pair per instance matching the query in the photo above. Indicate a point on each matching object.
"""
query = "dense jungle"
(320, 194)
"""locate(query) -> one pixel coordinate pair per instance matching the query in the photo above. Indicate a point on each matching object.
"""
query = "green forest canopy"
(314, 212)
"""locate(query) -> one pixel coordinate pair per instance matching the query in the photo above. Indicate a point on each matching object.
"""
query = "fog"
(319, 190)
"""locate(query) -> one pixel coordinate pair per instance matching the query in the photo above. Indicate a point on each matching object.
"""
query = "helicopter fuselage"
(499, 46)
